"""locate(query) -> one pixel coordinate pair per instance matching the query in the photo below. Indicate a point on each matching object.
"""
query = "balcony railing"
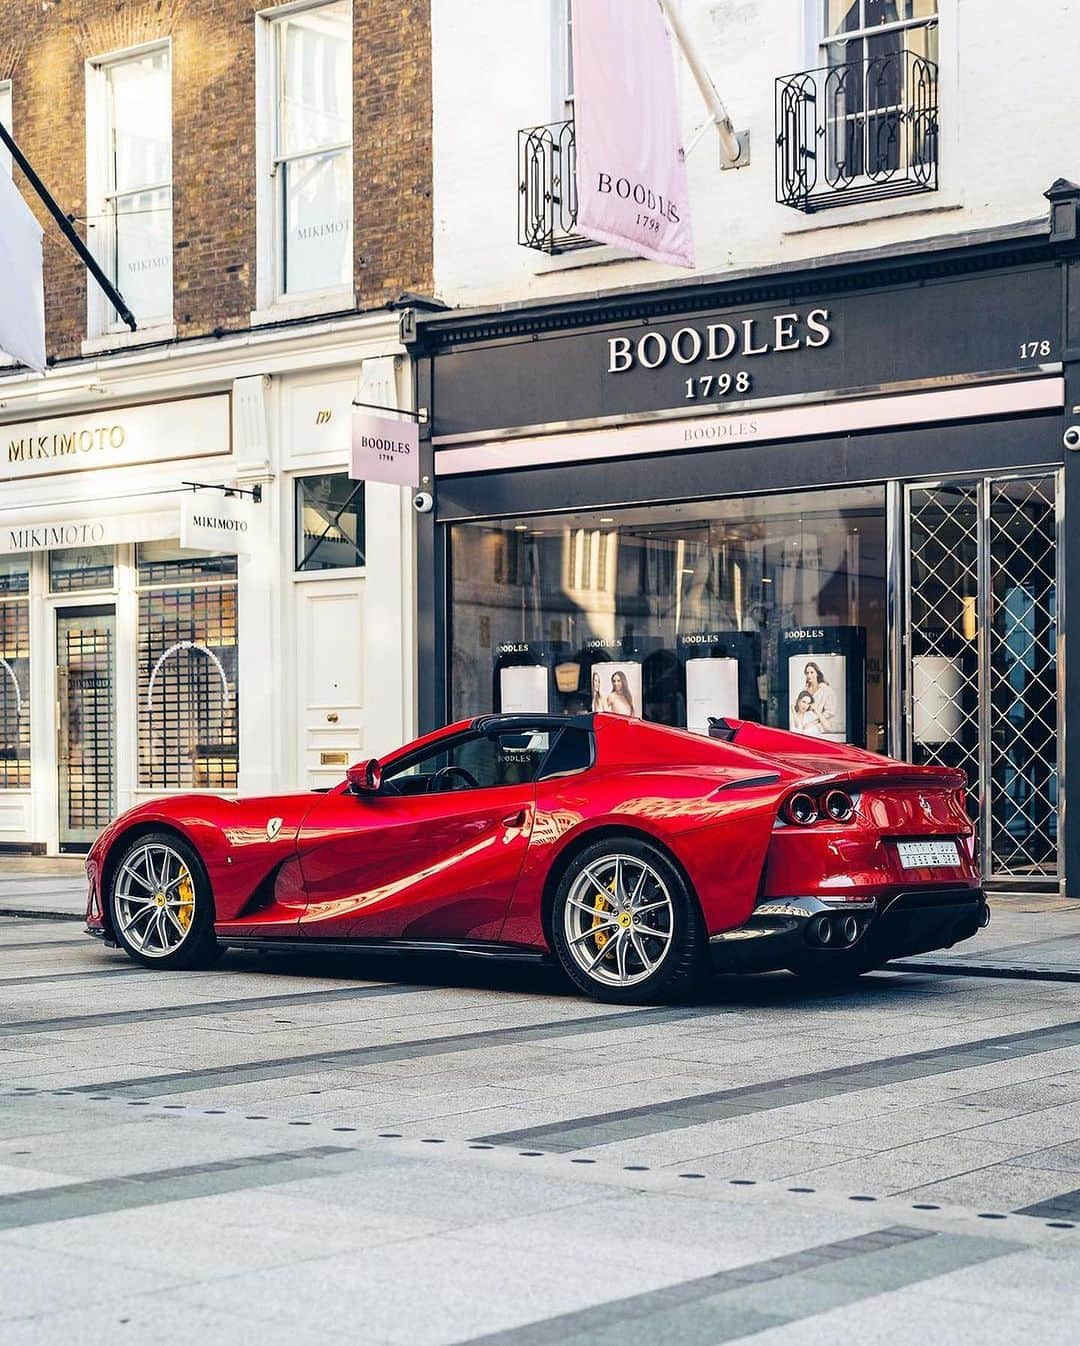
(547, 189)
(862, 131)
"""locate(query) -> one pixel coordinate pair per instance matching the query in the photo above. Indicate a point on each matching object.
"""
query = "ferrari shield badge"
(273, 827)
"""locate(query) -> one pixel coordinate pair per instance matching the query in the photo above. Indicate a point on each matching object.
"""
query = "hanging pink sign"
(384, 449)
(631, 174)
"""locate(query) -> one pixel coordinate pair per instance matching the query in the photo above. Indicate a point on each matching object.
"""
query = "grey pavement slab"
(278, 1149)
(60, 897)
(1040, 943)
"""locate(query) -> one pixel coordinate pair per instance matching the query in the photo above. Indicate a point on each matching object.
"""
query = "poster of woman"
(818, 695)
(616, 688)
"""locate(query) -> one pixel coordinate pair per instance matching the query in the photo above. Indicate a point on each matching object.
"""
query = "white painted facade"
(1008, 92)
(325, 659)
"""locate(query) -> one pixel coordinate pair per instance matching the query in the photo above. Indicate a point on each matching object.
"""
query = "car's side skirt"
(450, 947)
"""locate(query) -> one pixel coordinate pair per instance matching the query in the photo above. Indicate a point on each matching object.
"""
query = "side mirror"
(365, 777)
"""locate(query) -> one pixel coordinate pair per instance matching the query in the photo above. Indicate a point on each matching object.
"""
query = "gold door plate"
(333, 759)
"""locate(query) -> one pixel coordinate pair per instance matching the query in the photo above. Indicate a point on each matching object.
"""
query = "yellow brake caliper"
(602, 905)
(186, 910)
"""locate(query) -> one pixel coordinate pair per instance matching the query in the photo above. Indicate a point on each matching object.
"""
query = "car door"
(435, 853)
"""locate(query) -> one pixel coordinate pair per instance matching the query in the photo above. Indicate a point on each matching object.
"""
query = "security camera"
(423, 502)
(1072, 437)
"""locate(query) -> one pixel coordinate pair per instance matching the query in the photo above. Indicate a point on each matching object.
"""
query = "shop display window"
(14, 673)
(166, 563)
(329, 522)
(771, 608)
(187, 669)
(81, 569)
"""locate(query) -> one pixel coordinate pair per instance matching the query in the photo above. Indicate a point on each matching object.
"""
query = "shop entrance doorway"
(86, 723)
(982, 678)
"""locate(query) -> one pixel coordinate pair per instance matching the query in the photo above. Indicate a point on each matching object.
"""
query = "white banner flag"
(631, 174)
(22, 302)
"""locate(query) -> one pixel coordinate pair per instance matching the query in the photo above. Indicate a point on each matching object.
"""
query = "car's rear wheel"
(625, 925)
(160, 903)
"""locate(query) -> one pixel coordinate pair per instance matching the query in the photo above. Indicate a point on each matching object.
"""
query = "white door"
(330, 660)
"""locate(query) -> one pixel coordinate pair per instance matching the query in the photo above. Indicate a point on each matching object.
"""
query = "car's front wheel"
(161, 906)
(625, 925)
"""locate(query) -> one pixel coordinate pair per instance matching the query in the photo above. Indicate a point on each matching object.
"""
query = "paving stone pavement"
(420, 1152)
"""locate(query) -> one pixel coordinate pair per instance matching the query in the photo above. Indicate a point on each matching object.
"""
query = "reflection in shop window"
(329, 523)
(188, 715)
(769, 609)
(14, 673)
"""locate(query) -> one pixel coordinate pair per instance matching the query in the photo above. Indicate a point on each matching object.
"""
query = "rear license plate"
(928, 854)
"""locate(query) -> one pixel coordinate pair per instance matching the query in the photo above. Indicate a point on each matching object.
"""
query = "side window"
(571, 752)
(474, 762)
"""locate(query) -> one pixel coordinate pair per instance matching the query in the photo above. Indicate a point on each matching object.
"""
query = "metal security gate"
(86, 725)
(980, 669)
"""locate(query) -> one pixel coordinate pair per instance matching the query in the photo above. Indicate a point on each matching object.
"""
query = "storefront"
(249, 636)
(832, 501)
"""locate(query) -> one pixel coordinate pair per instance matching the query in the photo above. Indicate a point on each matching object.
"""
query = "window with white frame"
(860, 30)
(311, 156)
(5, 117)
(130, 162)
(881, 57)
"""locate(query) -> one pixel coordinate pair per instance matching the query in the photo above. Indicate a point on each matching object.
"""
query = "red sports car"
(634, 854)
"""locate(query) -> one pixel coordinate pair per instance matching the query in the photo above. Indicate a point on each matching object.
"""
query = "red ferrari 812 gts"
(634, 855)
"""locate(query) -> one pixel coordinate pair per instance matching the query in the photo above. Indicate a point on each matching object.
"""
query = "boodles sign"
(385, 449)
(631, 174)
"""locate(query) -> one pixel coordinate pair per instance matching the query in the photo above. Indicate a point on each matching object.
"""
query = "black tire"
(678, 970)
(196, 946)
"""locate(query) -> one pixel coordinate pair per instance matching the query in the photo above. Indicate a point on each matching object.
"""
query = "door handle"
(516, 819)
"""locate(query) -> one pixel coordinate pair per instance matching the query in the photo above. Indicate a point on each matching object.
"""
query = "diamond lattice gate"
(981, 673)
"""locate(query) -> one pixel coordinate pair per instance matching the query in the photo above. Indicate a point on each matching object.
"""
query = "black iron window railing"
(858, 131)
(547, 188)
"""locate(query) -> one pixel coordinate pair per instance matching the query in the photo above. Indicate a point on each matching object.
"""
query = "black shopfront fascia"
(978, 311)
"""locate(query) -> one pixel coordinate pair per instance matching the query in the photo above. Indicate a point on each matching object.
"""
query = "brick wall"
(44, 47)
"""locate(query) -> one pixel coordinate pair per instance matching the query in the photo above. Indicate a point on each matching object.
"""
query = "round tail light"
(839, 806)
(802, 809)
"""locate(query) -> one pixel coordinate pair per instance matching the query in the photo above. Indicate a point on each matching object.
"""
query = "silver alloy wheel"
(619, 920)
(154, 900)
